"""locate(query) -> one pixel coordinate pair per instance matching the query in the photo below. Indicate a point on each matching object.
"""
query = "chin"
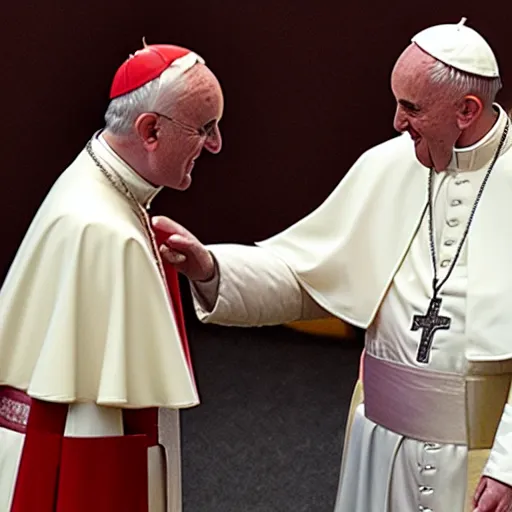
(185, 183)
(424, 160)
(437, 158)
(442, 163)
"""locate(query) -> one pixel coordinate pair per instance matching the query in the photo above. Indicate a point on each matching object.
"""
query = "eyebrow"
(408, 105)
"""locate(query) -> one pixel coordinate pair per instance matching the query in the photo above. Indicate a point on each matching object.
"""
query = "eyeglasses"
(208, 130)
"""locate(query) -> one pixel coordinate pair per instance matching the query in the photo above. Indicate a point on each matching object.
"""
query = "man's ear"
(470, 109)
(146, 127)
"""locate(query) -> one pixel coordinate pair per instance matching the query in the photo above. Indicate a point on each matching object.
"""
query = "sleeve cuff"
(499, 465)
(206, 292)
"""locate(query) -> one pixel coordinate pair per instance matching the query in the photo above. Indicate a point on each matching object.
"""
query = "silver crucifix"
(429, 323)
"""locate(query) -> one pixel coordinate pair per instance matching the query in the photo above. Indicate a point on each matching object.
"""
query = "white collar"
(478, 155)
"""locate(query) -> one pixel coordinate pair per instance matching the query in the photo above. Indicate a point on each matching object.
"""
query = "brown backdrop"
(306, 86)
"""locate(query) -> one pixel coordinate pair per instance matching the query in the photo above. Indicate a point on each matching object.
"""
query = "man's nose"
(214, 142)
(400, 122)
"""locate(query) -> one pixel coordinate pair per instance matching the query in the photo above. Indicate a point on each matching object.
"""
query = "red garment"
(83, 474)
(173, 287)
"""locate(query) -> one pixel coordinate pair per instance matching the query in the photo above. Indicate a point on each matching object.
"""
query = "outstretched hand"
(492, 496)
(183, 250)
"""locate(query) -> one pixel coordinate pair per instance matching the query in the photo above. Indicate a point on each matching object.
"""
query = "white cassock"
(425, 432)
(86, 323)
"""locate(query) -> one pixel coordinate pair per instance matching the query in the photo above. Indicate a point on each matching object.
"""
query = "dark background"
(307, 90)
(306, 87)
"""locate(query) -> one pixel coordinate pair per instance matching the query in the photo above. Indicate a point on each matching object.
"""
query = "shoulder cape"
(84, 312)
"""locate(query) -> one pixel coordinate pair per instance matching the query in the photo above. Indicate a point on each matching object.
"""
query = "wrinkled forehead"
(200, 94)
(410, 79)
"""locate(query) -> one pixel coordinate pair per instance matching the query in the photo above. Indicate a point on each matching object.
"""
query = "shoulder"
(73, 220)
(393, 157)
(82, 200)
(91, 243)
(77, 225)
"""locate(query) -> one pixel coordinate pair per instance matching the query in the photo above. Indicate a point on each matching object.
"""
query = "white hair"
(123, 111)
(463, 83)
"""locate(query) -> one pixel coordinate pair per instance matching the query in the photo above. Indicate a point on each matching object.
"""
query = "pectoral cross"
(429, 323)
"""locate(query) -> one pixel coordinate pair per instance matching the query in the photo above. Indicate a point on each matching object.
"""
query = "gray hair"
(463, 83)
(123, 111)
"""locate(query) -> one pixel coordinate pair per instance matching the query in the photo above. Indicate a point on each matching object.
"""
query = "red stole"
(173, 288)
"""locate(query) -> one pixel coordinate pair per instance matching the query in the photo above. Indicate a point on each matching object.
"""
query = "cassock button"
(453, 223)
(456, 202)
(445, 263)
(461, 182)
(449, 242)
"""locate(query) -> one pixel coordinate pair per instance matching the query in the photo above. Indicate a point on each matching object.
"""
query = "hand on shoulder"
(183, 250)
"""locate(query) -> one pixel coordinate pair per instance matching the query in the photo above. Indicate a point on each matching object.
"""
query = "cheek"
(188, 149)
(415, 126)
(429, 128)
(440, 124)
(444, 132)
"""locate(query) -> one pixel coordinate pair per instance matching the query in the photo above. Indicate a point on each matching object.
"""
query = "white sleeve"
(251, 287)
(499, 465)
(204, 293)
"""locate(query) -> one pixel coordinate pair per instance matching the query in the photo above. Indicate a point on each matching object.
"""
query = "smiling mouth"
(416, 137)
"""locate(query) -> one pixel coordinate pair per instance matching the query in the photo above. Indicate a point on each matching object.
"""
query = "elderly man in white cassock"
(94, 364)
(415, 245)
